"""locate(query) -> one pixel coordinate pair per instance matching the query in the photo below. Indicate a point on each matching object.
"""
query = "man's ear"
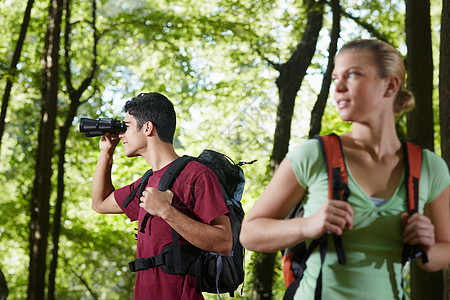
(393, 86)
(148, 128)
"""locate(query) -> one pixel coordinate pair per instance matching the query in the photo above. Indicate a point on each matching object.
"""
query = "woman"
(369, 78)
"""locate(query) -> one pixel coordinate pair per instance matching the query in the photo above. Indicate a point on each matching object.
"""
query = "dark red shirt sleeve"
(132, 210)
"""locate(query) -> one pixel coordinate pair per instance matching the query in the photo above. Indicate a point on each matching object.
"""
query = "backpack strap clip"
(146, 263)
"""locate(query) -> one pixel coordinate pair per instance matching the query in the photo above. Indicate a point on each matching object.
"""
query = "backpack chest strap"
(167, 260)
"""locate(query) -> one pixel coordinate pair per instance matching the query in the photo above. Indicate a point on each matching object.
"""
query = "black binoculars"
(101, 126)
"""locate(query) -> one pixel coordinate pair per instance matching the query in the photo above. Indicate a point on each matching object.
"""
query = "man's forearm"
(215, 237)
(102, 185)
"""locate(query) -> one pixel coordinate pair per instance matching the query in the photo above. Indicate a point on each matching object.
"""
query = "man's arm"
(102, 188)
(216, 237)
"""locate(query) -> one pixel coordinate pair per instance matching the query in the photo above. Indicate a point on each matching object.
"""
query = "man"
(194, 207)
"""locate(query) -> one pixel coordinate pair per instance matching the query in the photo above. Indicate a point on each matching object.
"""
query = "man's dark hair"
(156, 108)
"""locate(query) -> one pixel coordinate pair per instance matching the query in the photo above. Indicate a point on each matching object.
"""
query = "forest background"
(248, 78)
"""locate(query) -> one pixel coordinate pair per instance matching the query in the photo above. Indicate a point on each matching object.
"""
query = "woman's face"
(360, 93)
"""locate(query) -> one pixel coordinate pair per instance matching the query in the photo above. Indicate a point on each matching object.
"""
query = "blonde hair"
(389, 63)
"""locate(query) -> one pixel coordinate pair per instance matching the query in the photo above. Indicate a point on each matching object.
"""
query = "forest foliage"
(214, 59)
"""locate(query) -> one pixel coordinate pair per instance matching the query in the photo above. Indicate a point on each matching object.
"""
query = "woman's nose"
(340, 85)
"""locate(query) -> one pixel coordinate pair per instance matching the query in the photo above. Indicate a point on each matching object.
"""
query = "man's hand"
(156, 202)
(108, 143)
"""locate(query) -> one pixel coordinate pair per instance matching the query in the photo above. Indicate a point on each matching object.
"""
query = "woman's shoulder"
(308, 151)
(431, 157)
(434, 176)
(434, 163)
(306, 148)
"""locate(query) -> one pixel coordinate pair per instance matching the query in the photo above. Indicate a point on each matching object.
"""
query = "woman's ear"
(393, 86)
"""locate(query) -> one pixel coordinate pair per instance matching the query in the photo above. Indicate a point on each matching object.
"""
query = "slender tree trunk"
(419, 63)
(444, 104)
(444, 81)
(420, 121)
(13, 67)
(4, 291)
(75, 96)
(319, 106)
(40, 201)
(288, 83)
(291, 78)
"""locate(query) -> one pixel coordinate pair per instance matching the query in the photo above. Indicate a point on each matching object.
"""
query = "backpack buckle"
(145, 263)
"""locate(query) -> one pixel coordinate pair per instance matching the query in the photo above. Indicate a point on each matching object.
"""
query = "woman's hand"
(332, 217)
(418, 230)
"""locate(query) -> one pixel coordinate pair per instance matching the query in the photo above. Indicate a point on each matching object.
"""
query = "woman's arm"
(432, 231)
(264, 228)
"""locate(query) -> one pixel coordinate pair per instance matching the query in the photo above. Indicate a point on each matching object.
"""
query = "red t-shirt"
(197, 194)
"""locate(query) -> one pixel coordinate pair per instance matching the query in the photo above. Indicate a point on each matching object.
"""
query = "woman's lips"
(342, 103)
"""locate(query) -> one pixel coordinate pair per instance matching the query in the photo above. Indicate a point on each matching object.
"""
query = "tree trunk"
(40, 202)
(419, 63)
(444, 104)
(288, 83)
(75, 96)
(319, 106)
(420, 121)
(4, 291)
(444, 81)
(13, 67)
(290, 80)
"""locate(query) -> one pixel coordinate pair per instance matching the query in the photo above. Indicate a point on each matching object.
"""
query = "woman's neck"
(378, 141)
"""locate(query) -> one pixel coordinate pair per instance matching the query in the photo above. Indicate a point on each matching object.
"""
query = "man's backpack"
(214, 273)
(295, 257)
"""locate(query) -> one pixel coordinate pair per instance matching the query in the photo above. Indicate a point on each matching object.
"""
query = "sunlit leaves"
(213, 59)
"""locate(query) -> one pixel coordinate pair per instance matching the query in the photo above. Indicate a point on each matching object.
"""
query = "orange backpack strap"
(333, 156)
(412, 156)
(338, 189)
(412, 160)
(335, 165)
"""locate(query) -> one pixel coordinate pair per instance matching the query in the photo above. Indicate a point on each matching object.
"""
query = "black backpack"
(295, 257)
(214, 273)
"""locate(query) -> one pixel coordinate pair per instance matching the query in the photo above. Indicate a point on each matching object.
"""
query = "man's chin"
(131, 154)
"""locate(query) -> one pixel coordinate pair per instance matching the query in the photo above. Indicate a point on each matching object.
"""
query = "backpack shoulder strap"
(172, 172)
(412, 156)
(334, 163)
(166, 181)
(140, 188)
(412, 160)
(333, 156)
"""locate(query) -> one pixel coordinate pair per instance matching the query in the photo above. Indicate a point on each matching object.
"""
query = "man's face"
(133, 139)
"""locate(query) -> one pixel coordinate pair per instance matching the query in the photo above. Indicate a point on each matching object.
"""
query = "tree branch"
(372, 30)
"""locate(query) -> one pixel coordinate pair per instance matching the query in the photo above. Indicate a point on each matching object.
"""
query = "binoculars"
(101, 126)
